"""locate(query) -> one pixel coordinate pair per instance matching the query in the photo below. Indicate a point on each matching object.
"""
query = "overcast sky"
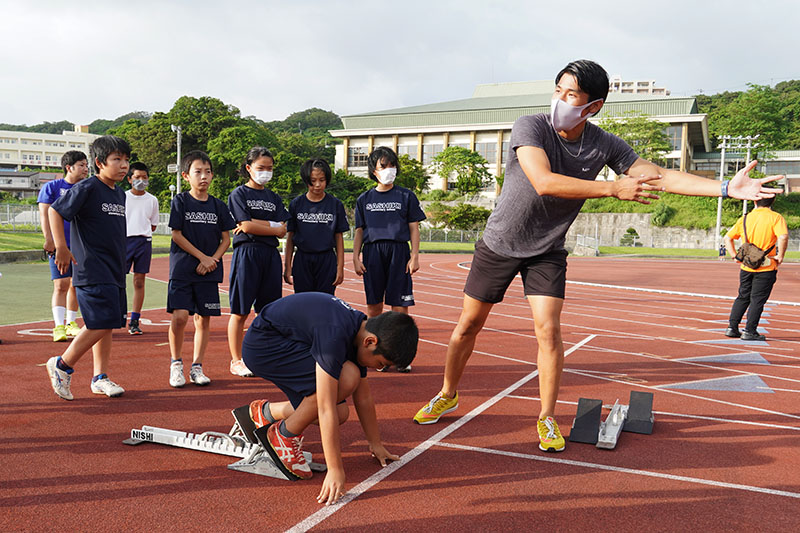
(84, 60)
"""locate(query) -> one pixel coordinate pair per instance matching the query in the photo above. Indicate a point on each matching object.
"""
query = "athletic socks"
(99, 376)
(265, 411)
(72, 316)
(135, 316)
(59, 314)
(285, 432)
(64, 367)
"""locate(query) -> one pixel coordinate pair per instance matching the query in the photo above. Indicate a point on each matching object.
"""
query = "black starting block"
(637, 417)
(243, 441)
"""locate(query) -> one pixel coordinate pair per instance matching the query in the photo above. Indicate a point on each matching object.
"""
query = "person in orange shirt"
(765, 229)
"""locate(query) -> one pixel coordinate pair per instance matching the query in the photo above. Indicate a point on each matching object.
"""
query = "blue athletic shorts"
(103, 306)
(286, 363)
(54, 273)
(314, 272)
(386, 279)
(139, 252)
(255, 278)
(201, 297)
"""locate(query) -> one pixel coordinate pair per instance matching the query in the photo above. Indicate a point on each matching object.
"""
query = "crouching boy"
(316, 349)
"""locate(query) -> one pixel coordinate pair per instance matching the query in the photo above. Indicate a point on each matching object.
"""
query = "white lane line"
(316, 518)
(647, 473)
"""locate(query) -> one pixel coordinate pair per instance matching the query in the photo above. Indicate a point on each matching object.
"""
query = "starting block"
(243, 441)
(637, 417)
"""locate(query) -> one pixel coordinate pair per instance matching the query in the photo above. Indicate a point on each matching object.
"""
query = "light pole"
(171, 192)
(177, 129)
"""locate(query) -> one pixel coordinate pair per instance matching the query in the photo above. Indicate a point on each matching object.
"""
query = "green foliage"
(412, 175)
(312, 122)
(461, 216)
(347, 187)
(468, 166)
(630, 238)
(647, 137)
(101, 126)
(228, 151)
(661, 214)
(44, 127)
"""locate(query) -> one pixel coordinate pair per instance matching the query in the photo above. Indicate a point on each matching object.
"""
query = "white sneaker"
(107, 387)
(197, 377)
(404, 370)
(59, 379)
(176, 378)
(238, 368)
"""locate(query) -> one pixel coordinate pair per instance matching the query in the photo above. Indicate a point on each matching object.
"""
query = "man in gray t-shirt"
(552, 164)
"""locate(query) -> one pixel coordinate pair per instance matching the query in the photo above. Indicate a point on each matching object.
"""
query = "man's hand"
(332, 487)
(743, 187)
(636, 189)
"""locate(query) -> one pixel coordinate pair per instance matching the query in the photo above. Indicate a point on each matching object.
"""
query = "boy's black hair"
(310, 165)
(138, 166)
(104, 146)
(765, 202)
(70, 158)
(253, 155)
(397, 337)
(191, 157)
(386, 156)
(592, 78)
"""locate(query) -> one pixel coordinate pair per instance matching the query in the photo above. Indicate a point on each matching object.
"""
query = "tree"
(228, 151)
(468, 166)
(348, 187)
(647, 137)
(462, 216)
(754, 112)
(412, 175)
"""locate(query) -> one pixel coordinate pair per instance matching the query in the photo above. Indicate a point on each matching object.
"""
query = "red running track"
(717, 459)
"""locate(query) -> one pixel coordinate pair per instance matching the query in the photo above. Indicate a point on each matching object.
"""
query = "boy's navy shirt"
(52, 191)
(97, 214)
(385, 216)
(329, 331)
(246, 203)
(315, 224)
(202, 223)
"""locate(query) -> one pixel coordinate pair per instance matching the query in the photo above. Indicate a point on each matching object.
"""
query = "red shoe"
(288, 452)
(257, 413)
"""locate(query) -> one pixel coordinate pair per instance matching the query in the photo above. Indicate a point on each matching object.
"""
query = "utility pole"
(177, 129)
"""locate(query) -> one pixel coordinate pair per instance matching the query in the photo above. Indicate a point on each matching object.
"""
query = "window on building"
(461, 145)
(488, 151)
(673, 163)
(675, 134)
(781, 167)
(504, 152)
(407, 149)
(357, 156)
(429, 151)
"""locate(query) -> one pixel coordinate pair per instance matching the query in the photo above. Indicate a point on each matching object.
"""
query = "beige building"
(19, 149)
(483, 123)
(618, 85)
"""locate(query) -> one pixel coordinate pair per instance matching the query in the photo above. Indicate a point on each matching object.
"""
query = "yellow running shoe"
(435, 408)
(59, 333)
(550, 439)
(72, 329)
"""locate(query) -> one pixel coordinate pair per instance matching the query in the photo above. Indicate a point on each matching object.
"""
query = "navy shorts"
(255, 278)
(314, 272)
(386, 279)
(103, 306)
(201, 297)
(491, 274)
(54, 273)
(139, 251)
(286, 363)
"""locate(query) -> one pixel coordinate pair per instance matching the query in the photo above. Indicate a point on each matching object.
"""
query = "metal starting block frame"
(240, 442)
(635, 418)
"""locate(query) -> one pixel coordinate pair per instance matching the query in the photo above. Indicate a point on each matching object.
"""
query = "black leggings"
(754, 290)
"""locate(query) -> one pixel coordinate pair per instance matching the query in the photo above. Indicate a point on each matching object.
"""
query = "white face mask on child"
(262, 177)
(387, 175)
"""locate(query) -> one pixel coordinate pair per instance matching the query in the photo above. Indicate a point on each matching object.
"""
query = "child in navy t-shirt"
(96, 209)
(256, 265)
(387, 218)
(317, 222)
(200, 237)
(319, 359)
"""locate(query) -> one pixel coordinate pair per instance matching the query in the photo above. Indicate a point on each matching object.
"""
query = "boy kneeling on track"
(316, 349)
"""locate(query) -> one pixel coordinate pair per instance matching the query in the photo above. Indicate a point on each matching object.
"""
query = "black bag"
(748, 253)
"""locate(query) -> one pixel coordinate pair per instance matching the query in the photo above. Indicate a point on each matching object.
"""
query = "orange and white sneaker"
(288, 452)
(550, 439)
(257, 413)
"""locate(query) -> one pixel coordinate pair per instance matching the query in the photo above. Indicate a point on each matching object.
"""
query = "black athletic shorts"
(491, 274)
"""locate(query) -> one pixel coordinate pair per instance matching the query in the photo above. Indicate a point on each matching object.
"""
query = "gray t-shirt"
(525, 224)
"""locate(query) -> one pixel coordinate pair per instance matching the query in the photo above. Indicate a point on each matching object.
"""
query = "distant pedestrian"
(722, 251)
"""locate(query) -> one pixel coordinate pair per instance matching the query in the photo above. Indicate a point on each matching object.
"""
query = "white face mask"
(387, 175)
(262, 177)
(566, 117)
(139, 185)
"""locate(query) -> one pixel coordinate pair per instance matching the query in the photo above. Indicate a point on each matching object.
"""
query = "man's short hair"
(138, 166)
(70, 158)
(191, 157)
(397, 337)
(386, 156)
(591, 77)
(104, 146)
(310, 165)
